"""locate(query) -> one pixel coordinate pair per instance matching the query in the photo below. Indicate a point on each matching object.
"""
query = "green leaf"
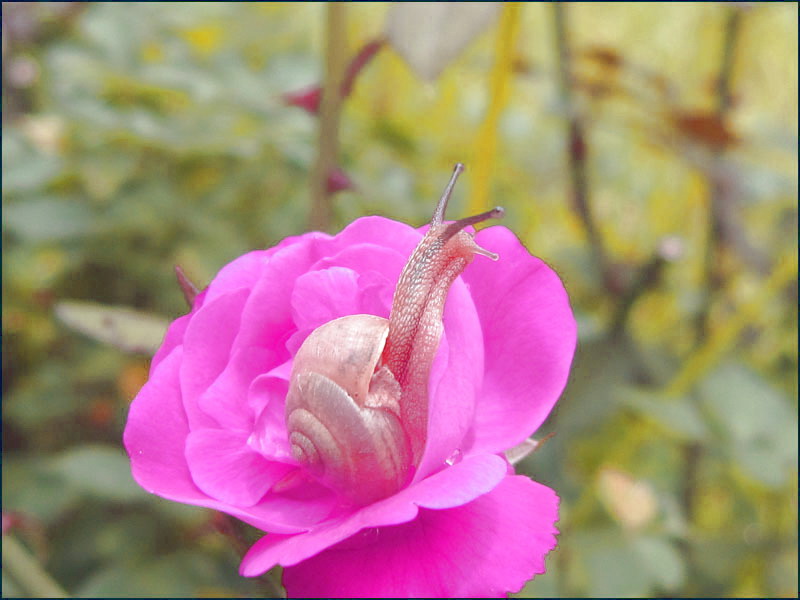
(21, 564)
(124, 328)
(136, 534)
(590, 327)
(662, 560)
(48, 219)
(179, 575)
(24, 168)
(613, 566)
(10, 589)
(35, 489)
(591, 396)
(762, 462)
(717, 559)
(744, 404)
(98, 532)
(782, 575)
(676, 415)
(43, 396)
(104, 172)
(755, 421)
(618, 565)
(101, 471)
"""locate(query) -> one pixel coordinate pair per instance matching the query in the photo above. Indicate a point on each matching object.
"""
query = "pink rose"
(208, 428)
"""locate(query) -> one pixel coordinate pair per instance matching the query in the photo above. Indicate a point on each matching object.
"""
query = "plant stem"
(499, 92)
(234, 530)
(26, 571)
(577, 148)
(718, 202)
(669, 250)
(718, 196)
(330, 109)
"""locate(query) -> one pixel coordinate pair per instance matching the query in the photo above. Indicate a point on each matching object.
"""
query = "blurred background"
(648, 152)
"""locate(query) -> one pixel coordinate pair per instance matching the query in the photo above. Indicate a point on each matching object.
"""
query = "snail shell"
(357, 407)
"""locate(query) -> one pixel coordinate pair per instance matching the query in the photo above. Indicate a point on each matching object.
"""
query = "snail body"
(357, 406)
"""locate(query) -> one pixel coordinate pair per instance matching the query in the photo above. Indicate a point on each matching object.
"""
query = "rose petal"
(376, 293)
(173, 338)
(237, 334)
(226, 399)
(380, 232)
(242, 272)
(155, 438)
(453, 486)
(266, 316)
(226, 468)
(177, 330)
(267, 396)
(319, 297)
(156, 431)
(262, 391)
(295, 509)
(529, 337)
(486, 548)
(206, 350)
(368, 258)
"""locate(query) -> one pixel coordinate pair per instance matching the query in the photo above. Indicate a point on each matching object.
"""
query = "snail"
(357, 405)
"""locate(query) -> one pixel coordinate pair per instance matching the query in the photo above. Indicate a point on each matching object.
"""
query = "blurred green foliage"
(138, 136)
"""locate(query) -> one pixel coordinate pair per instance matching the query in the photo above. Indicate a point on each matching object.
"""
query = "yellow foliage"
(725, 335)
(499, 93)
(201, 180)
(714, 507)
(152, 52)
(204, 39)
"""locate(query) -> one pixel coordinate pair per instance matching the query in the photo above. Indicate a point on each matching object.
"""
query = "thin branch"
(26, 571)
(719, 200)
(330, 109)
(669, 250)
(719, 196)
(234, 531)
(577, 148)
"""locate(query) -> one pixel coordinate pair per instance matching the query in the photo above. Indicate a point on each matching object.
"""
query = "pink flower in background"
(209, 428)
